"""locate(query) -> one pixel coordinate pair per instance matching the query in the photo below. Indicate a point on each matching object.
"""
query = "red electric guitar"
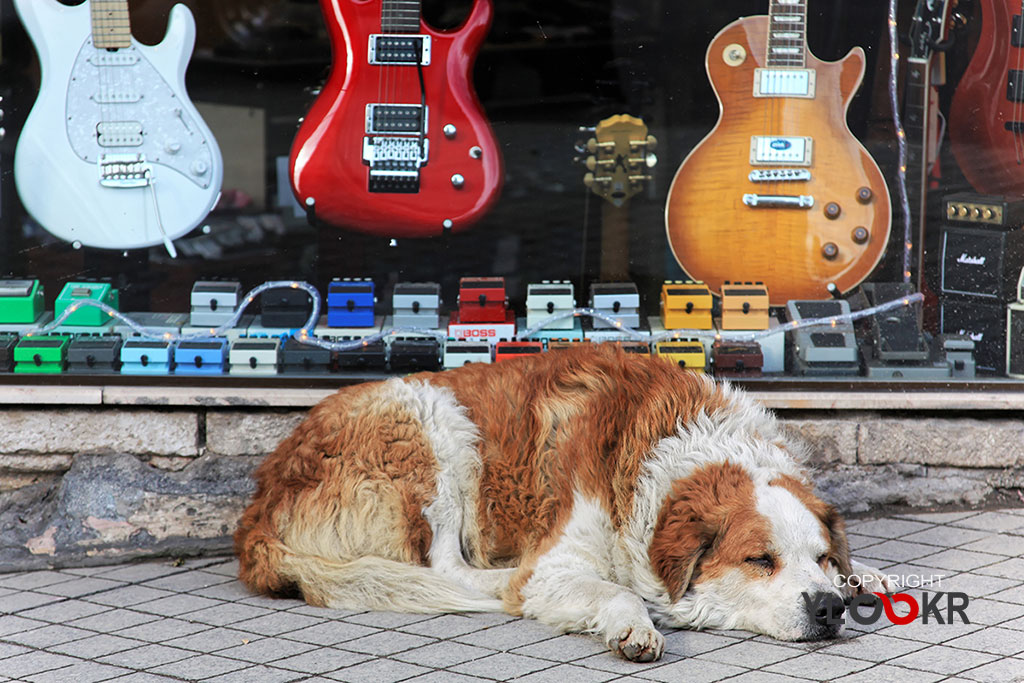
(397, 143)
(986, 118)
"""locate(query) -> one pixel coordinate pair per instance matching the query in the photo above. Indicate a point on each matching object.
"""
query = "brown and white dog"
(569, 487)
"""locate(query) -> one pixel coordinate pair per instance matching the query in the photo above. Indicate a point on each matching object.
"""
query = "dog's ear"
(681, 540)
(839, 547)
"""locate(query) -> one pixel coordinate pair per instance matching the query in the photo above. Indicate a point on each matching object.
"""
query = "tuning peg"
(592, 145)
(588, 179)
(652, 142)
(588, 129)
(579, 147)
(651, 160)
(591, 162)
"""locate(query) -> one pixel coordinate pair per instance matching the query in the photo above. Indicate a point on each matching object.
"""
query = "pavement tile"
(696, 670)
(147, 656)
(1012, 568)
(991, 612)
(274, 604)
(501, 666)
(35, 662)
(930, 632)
(78, 587)
(873, 647)
(999, 544)
(994, 640)
(176, 604)
(25, 600)
(817, 666)
(491, 618)
(992, 521)
(1002, 671)
(32, 580)
(258, 674)
(387, 619)
(444, 626)
(83, 672)
(113, 620)
(884, 673)
(12, 623)
(564, 648)
(127, 596)
(227, 568)
(1013, 595)
(330, 612)
(751, 654)
(979, 585)
(321, 660)
(448, 677)
(143, 677)
(954, 559)
(330, 633)
(141, 571)
(232, 590)
(943, 660)
(938, 517)
(228, 613)
(199, 667)
(265, 650)
(96, 646)
(509, 636)
(896, 551)
(606, 661)
(440, 655)
(190, 581)
(162, 630)
(859, 541)
(10, 650)
(275, 623)
(213, 640)
(889, 528)
(947, 536)
(63, 611)
(378, 671)
(48, 636)
(570, 673)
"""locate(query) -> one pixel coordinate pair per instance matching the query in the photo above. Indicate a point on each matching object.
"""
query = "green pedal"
(21, 301)
(41, 355)
(74, 292)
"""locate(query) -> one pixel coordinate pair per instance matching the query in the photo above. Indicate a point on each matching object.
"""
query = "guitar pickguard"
(117, 102)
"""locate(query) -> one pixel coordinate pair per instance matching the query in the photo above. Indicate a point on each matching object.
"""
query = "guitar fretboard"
(400, 16)
(787, 21)
(110, 25)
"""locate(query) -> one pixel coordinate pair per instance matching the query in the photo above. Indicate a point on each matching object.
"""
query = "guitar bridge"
(124, 170)
(395, 163)
(778, 201)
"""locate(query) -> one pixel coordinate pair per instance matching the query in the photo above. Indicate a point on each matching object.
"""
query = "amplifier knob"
(975, 213)
(860, 234)
(830, 251)
(987, 214)
(961, 211)
(950, 211)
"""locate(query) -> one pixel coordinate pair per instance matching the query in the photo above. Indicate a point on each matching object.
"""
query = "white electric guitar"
(113, 154)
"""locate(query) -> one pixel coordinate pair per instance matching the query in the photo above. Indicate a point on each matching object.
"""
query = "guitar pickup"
(396, 118)
(399, 49)
(780, 150)
(779, 175)
(778, 201)
(119, 133)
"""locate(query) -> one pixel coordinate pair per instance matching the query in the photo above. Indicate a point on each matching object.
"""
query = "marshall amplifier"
(981, 262)
(984, 322)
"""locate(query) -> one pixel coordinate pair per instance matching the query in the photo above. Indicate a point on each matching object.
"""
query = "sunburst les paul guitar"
(113, 154)
(397, 143)
(780, 191)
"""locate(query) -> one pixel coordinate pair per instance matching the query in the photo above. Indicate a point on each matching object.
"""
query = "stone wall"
(91, 485)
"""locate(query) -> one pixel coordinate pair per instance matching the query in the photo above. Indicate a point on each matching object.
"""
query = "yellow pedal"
(686, 353)
(744, 306)
(685, 305)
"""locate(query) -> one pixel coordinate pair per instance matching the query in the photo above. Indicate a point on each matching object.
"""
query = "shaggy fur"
(569, 487)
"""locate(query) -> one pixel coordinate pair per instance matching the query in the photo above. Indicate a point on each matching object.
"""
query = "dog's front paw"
(640, 643)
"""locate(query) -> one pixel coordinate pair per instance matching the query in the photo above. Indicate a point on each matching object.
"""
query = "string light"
(901, 139)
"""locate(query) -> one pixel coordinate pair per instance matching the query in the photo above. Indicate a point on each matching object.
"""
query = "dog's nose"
(830, 608)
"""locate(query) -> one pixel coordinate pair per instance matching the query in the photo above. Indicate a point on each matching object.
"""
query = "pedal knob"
(830, 251)
(865, 195)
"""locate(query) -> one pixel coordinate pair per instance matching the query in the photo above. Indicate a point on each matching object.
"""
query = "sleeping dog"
(572, 487)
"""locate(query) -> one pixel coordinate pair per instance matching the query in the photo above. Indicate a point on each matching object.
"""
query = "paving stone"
(25, 600)
(187, 581)
(97, 646)
(509, 636)
(818, 666)
(448, 677)
(227, 568)
(955, 559)
(378, 671)
(501, 666)
(858, 542)
(979, 585)
(29, 663)
(47, 636)
(80, 586)
(266, 650)
(162, 630)
(128, 596)
(564, 648)
(947, 536)
(897, 551)
(147, 656)
(387, 619)
(329, 612)
(232, 590)
(888, 528)
(885, 673)
(1012, 568)
(992, 521)
(276, 623)
(991, 612)
(176, 604)
(943, 660)
(274, 604)
(1001, 544)
(83, 672)
(696, 670)
(258, 674)
(937, 517)
(213, 640)
(12, 623)
(330, 633)
(63, 611)
(199, 667)
(997, 672)
(32, 580)
(750, 655)
(873, 647)
(143, 677)
(321, 660)
(10, 650)
(228, 613)
(438, 655)
(141, 571)
(606, 661)
(444, 626)
(113, 620)
(994, 640)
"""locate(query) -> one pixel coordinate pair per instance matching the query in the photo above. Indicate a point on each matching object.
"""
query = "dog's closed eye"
(763, 562)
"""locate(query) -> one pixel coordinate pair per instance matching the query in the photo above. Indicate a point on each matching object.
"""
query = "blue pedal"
(201, 356)
(350, 303)
(146, 357)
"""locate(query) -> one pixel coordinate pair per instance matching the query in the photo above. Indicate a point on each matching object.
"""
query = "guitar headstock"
(928, 28)
(620, 156)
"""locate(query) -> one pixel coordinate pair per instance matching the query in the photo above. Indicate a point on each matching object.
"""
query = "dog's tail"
(376, 583)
